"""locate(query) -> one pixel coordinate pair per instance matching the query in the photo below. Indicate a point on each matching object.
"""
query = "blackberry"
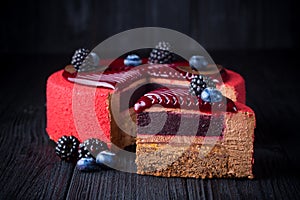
(161, 54)
(91, 147)
(199, 83)
(78, 57)
(66, 148)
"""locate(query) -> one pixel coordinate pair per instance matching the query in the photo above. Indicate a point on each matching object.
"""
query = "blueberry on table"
(87, 165)
(107, 159)
(91, 148)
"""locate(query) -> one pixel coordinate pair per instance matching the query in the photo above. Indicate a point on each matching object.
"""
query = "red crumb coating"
(60, 113)
(237, 82)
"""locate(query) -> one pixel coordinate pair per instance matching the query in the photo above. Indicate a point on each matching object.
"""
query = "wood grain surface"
(29, 168)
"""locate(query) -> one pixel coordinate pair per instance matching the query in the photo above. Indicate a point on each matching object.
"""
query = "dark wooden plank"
(29, 167)
(111, 184)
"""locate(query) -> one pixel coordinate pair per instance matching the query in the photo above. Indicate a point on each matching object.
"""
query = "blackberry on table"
(161, 54)
(78, 57)
(67, 148)
(91, 147)
(83, 152)
(199, 83)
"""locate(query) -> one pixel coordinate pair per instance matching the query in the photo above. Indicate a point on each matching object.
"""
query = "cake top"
(116, 75)
(197, 78)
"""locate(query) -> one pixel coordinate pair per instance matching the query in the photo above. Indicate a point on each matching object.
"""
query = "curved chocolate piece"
(109, 78)
(208, 71)
(178, 97)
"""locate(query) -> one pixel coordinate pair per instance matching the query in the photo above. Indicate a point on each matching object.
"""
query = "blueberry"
(198, 62)
(132, 60)
(211, 95)
(87, 164)
(107, 159)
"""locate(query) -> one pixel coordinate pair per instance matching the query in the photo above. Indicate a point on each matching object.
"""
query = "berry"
(91, 148)
(211, 95)
(198, 62)
(66, 148)
(132, 60)
(107, 159)
(79, 57)
(199, 83)
(161, 54)
(87, 164)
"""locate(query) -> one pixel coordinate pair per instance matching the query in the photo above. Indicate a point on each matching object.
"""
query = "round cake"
(167, 108)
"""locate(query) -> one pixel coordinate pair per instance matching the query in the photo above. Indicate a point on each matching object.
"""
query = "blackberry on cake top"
(199, 83)
(161, 54)
(78, 57)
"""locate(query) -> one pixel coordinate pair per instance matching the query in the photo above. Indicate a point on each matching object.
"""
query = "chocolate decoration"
(70, 69)
(209, 70)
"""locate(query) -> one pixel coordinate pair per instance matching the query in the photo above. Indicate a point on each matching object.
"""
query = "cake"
(224, 137)
(108, 104)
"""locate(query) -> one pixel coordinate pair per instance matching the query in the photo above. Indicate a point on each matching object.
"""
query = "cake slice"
(181, 135)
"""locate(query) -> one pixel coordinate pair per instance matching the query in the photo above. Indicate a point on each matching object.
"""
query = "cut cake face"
(193, 141)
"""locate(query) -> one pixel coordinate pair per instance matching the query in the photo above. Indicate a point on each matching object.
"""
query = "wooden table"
(29, 168)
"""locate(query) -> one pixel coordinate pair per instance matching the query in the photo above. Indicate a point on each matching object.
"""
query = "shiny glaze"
(180, 98)
(117, 74)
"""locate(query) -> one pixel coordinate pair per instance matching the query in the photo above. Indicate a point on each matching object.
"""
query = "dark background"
(61, 26)
(257, 38)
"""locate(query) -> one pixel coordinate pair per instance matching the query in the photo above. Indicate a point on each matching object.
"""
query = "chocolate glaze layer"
(179, 98)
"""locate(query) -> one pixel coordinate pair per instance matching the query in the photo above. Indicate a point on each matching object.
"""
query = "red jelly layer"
(179, 97)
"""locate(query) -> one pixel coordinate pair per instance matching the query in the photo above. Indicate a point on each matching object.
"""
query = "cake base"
(229, 155)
